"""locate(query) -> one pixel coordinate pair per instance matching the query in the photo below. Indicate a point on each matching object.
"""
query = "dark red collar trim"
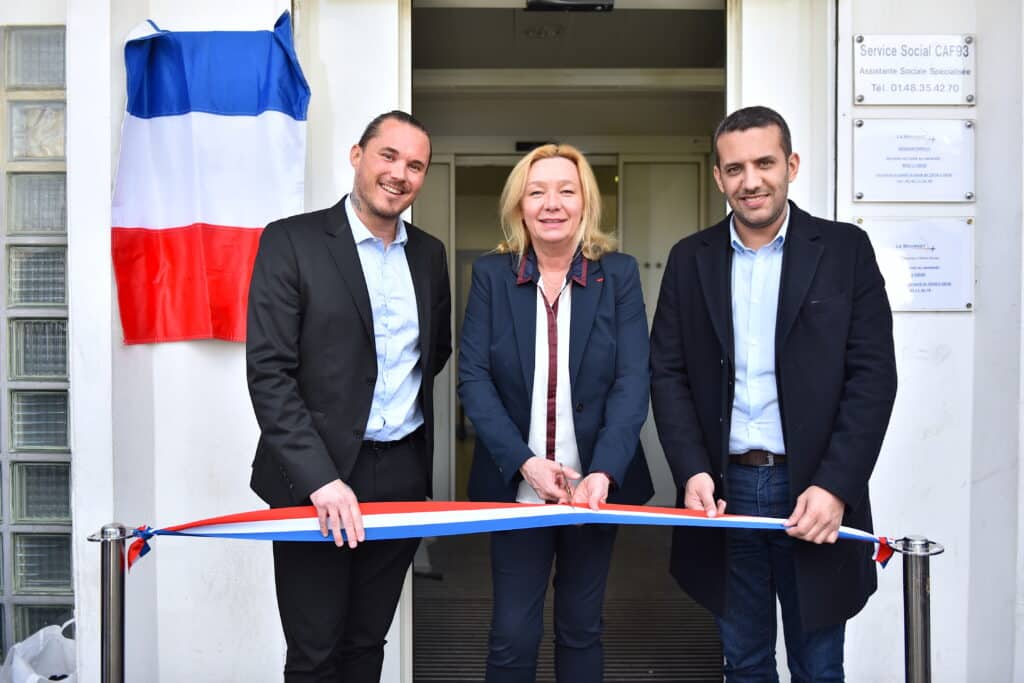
(528, 259)
(528, 271)
(578, 270)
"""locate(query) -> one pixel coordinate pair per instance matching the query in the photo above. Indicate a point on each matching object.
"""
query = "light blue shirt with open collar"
(395, 411)
(756, 419)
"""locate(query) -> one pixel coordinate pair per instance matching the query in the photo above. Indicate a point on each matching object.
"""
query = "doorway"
(639, 92)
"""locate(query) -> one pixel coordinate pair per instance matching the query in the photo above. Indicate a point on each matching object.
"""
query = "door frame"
(460, 152)
(702, 163)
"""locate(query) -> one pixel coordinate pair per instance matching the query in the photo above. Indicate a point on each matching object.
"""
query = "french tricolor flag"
(213, 148)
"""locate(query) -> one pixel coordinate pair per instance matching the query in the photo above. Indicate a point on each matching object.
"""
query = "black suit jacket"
(836, 376)
(310, 351)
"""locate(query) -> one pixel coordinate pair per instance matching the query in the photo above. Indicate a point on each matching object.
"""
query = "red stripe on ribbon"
(308, 511)
(634, 513)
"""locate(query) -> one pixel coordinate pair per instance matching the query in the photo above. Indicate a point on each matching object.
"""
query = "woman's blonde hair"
(589, 237)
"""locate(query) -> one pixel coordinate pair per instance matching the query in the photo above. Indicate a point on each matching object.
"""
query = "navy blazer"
(608, 368)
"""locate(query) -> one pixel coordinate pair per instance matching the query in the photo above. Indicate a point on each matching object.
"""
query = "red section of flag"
(177, 284)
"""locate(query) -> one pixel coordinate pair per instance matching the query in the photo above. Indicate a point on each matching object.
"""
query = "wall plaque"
(914, 69)
(913, 160)
(927, 263)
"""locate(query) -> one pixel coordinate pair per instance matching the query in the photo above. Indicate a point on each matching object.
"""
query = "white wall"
(355, 55)
(89, 175)
(779, 54)
(948, 468)
(995, 445)
(165, 433)
(1018, 641)
(184, 433)
(182, 430)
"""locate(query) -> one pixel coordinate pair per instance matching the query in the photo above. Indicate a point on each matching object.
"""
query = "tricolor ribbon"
(384, 521)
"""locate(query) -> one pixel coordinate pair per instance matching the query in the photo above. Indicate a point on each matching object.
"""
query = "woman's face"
(552, 205)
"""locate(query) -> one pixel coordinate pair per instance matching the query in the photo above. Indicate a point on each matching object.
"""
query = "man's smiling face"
(754, 174)
(390, 171)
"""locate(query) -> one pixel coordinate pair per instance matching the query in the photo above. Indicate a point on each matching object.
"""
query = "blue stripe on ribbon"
(498, 524)
(485, 523)
(230, 73)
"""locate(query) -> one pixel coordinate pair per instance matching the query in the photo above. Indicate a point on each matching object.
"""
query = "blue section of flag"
(230, 73)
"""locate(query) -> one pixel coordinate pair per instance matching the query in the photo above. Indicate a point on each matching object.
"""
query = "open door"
(662, 200)
(434, 212)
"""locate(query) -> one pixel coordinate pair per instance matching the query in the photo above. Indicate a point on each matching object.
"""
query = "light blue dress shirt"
(395, 411)
(756, 420)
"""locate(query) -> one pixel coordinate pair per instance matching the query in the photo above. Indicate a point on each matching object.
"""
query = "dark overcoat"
(836, 376)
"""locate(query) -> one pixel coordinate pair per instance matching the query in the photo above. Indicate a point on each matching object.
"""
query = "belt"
(757, 458)
(385, 445)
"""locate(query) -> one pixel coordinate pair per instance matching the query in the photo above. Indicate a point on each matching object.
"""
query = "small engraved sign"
(927, 263)
(914, 69)
(913, 160)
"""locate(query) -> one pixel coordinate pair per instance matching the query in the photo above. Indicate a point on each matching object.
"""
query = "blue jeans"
(760, 567)
(520, 569)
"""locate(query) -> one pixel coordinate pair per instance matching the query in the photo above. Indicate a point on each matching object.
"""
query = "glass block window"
(36, 579)
(37, 130)
(37, 276)
(39, 349)
(39, 420)
(41, 492)
(30, 618)
(35, 58)
(36, 203)
(42, 563)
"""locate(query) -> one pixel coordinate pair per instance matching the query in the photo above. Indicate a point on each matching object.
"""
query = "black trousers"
(337, 604)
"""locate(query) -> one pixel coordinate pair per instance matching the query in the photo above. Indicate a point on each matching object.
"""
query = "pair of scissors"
(568, 487)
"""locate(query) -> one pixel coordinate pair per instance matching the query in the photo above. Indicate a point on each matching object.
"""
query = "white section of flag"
(204, 168)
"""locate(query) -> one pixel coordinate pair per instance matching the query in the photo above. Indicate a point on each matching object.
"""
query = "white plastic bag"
(46, 655)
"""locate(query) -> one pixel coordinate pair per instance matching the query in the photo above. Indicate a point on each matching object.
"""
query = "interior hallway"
(653, 631)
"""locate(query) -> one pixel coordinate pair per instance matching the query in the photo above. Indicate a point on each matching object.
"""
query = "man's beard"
(386, 213)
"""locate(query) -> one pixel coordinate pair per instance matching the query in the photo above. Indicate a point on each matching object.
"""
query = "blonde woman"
(553, 374)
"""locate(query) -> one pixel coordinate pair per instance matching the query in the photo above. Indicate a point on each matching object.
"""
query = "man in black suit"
(349, 321)
(773, 379)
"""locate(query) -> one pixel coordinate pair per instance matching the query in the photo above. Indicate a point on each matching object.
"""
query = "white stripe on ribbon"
(414, 520)
(443, 519)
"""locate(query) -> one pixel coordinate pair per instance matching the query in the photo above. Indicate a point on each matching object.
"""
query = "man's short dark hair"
(373, 128)
(754, 117)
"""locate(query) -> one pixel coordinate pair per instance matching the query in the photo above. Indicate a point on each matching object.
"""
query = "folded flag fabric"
(213, 148)
(383, 521)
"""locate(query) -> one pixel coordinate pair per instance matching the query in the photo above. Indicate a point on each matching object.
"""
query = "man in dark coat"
(349, 321)
(773, 379)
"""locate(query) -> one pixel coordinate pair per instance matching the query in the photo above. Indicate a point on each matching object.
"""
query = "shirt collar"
(529, 272)
(361, 233)
(780, 239)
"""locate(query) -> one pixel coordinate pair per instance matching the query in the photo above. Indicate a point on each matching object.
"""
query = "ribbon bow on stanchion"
(140, 546)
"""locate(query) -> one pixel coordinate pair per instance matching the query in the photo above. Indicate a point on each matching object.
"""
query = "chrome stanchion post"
(112, 568)
(917, 552)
